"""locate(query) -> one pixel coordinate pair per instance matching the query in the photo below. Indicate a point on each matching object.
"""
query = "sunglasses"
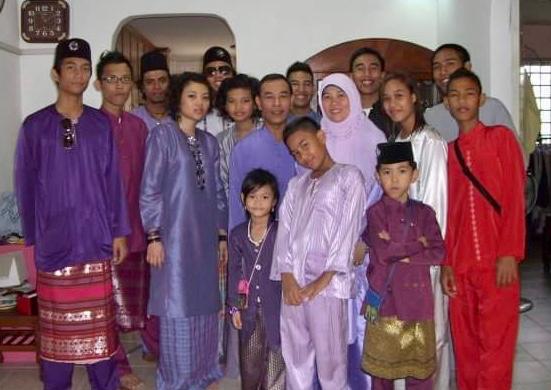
(224, 70)
(69, 136)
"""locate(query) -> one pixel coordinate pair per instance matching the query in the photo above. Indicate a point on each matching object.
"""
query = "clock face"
(44, 21)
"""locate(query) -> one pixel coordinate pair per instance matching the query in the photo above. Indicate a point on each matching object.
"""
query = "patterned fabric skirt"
(188, 357)
(77, 313)
(398, 349)
(130, 289)
(262, 366)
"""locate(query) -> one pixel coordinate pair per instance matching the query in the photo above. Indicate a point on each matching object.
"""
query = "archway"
(399, 56)
(184, 39)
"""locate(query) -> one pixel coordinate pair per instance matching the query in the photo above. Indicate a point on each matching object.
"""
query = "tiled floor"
(532, 365)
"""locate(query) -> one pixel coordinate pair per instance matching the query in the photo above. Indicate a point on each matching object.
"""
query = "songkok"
(216, 53)
(153, 60)
(74, 47)
(394, 152)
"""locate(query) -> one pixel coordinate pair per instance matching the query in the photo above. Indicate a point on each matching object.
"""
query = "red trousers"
(484, 323)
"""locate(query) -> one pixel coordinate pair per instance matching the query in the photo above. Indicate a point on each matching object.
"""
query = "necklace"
(256, 243)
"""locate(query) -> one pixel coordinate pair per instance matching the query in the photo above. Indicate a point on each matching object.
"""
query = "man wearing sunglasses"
(217, 66)
(73, 211)
(131, 278)
(154, 84)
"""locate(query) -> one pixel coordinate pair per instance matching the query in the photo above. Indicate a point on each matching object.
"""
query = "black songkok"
(216, 53)
(153, 60)
(394, 152)
(74, 47)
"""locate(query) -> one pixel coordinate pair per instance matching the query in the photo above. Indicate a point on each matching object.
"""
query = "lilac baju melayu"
(319, 224)
(354, 141)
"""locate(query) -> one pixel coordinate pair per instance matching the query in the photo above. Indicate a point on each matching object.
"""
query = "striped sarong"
(77, 313)
(188, 352)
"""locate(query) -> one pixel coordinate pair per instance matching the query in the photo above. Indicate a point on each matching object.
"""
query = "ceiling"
(187, 37)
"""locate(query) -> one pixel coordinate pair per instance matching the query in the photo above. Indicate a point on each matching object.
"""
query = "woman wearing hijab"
(352, 139)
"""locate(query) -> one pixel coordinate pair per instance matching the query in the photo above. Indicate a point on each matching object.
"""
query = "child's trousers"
(410, 383)
(484, 322)
(314, 338)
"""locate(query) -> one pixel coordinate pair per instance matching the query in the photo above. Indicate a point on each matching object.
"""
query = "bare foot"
(131, 382)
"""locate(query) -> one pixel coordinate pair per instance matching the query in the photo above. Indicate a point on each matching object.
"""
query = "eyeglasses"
(116, 79)
(69, 136)
(224, 70)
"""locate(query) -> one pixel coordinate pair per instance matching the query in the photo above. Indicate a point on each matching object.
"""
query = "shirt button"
(258, 267)
(255, 250)
(257, 287)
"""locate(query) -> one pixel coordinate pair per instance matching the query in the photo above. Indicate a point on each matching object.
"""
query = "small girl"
(236, 101)
(253, 298)
(404, 241)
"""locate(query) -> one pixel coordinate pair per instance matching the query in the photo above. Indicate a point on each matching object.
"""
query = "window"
(540, 77)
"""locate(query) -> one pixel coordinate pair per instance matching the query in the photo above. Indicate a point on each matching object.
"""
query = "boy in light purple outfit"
(319, 223)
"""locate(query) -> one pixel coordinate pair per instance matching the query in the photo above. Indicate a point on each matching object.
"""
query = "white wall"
(271, 35)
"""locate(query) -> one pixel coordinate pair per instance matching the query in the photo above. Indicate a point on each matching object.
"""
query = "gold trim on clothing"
(399, 349)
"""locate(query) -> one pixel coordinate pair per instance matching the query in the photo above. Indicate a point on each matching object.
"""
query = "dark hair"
(467, 74)
(239, 81)
(411, 85)
(299, 67)
(366, 50)
(111, 57)
(301, 123)
(178, 83)
(274, 77)
(463, 54)
(259, 178)
(412, 164)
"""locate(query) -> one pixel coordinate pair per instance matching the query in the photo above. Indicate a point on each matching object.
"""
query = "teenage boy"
(217, 67)
(367, 69)
(446, 59)
(484, 240)
(154, 84)
(263, 148)
(319, 222)
(73, 211)
(131, 278)
(301, 78)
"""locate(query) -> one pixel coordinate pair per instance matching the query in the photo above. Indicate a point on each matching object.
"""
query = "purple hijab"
(353, 140)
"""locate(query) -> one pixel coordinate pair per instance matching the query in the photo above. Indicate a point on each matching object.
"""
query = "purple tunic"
(71, 200)
(259, 149)
(149, 120)
(242, 251)
(409, 293)
(188, 218)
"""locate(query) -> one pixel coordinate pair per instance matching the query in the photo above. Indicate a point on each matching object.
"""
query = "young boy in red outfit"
(484, 240)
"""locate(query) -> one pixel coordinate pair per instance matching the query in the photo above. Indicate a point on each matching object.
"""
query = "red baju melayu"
(484, 318)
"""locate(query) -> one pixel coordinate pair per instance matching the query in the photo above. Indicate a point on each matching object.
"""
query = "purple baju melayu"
(72, 207)
(320, 220)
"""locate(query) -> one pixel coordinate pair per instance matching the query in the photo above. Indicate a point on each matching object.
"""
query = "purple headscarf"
(354, 140)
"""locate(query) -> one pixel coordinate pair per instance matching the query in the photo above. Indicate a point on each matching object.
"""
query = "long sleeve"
(155, 167)
(234, 270)
(224, 159)
(119, 211)
(512, 230)
(236, 214)
(282, 261)
(348, 224)
(433, 177)
(25, 176)
(221, 201)
(433, 254)
(387, 250)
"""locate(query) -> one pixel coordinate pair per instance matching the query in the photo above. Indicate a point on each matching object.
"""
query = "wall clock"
(44, 21)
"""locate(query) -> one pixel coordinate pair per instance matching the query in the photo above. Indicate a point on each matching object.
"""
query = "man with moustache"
(263, 148)
(154, 84)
